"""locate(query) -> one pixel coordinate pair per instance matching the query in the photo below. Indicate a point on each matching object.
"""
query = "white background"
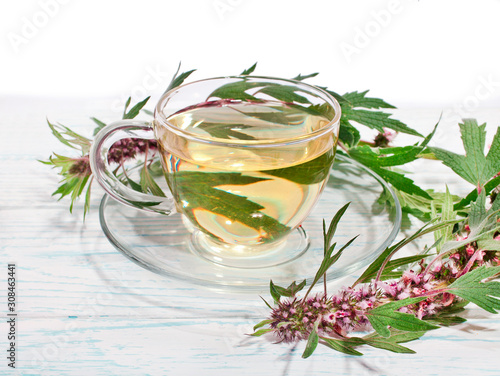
(428, 53)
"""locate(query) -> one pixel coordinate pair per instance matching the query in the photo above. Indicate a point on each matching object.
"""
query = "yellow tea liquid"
(245, 194)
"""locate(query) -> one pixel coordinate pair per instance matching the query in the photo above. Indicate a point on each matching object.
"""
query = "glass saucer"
(161, 243)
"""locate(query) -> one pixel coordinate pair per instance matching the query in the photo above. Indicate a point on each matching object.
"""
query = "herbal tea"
(238, 193)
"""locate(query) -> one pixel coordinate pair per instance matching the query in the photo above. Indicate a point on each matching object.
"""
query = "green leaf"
(226, 131)
(312, 342)
(376, 120)
(134, 111)
(135, 186)
(284, 93)
(328, 261)
(446, 320)
(70, 138)
(236, 90)
(337, 96)
(348, 134)
(178, 79)
(445, 234)
(86, 206)
(385, 157)
(477, 211)
(390, 157)
(127, 103)
(300, 77)
(345, 346)
(312, 172)
(332, 228)
(427, 139)
(290, 291)
(248, 71)
(199, 190)
(274, 293)
(360, 100)
(267, 304)
(100, 125)
(261, 332)
(386, 315)
(148, 184)
(471, 287)
(262, 323)
(474, 166)
(391, 343)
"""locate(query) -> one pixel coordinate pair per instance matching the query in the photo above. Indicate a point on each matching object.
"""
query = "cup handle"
(110, 183)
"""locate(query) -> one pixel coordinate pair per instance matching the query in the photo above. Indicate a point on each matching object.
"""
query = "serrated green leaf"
(237, 90)
(357, 99)
(471, 287)
(474, 167)
(401, 182)
(386, 315)
(226, 131)
(376, 120)
(386, 157)
(284, 93)
(199, 190)
(377, 163)
(348, 134)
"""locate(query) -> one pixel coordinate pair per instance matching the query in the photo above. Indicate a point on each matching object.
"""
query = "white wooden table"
(84, 309)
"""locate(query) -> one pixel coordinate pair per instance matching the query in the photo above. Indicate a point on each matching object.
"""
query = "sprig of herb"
(401, 305)
(356, 107)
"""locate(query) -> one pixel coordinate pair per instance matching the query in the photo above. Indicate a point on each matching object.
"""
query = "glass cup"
(245, 159)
